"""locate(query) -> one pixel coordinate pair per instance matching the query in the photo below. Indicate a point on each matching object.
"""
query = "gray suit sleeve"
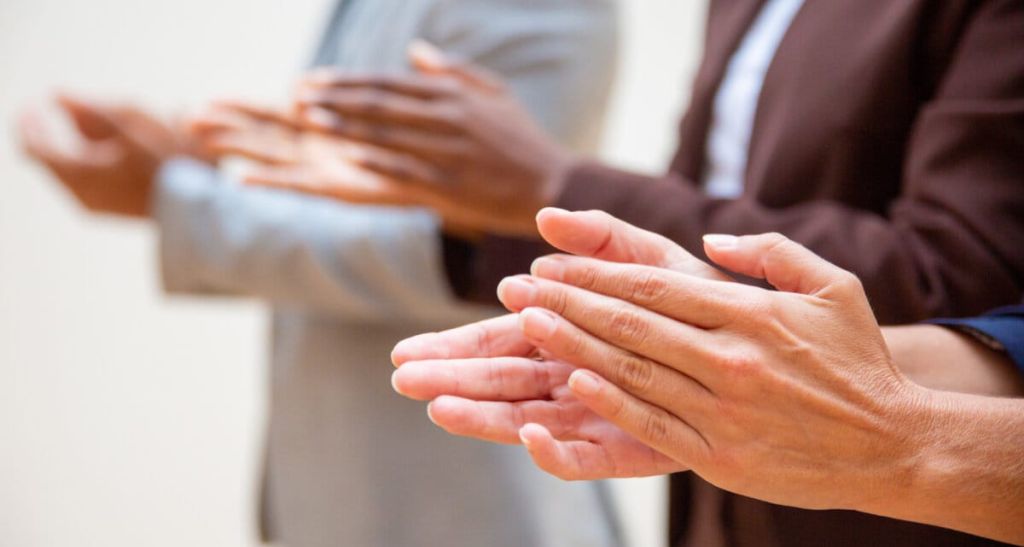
(366, 263)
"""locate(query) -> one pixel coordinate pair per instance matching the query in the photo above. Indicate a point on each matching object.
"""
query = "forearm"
(364, 263)
(944, 359)
(966, 470)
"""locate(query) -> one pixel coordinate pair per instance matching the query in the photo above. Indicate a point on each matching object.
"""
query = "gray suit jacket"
(349, 462)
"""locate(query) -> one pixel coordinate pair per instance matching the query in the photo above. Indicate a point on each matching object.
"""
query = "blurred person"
(347, 462)
(793, 396)
(888, 137)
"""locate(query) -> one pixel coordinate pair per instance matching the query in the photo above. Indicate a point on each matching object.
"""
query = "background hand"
(118, 152)
(452, 131)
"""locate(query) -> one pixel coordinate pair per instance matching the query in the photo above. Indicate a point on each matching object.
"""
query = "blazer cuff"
(1001, 330)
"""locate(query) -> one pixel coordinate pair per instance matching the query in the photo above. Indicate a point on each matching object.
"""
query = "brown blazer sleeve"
(951, 243)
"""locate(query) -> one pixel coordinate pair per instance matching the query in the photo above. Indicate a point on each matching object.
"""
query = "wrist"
(913, 416)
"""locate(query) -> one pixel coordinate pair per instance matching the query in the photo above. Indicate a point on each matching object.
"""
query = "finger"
(428, 59)
(67, 166)
(397, 166)
(787, 265)
(499, 422)
(693, 301)
(253, 146)
(599, 235)
(661, 430)
(385, 107)
(342, 181)
(648, 380)
(258, 112)
(701, 302)
(414, 85)
(486, 379)
(590, 460)
(289, 177)
(497, 337)
(402, 139)
(85, 116)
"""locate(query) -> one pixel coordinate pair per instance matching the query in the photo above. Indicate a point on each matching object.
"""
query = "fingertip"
(537, 324)
(426, 55)
(532, 435)
(396, 383)
(584, 383)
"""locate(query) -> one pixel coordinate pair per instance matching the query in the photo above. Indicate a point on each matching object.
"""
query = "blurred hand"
(488, 381)
(119, 152)
(452, 132)
(289, 157)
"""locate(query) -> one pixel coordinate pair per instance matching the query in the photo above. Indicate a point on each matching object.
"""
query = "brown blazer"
(889, 138)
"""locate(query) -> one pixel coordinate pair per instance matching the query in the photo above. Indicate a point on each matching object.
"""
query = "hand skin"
(452, 131)
(492, 399)
(287, 156)
(790, 396)
(119, 152)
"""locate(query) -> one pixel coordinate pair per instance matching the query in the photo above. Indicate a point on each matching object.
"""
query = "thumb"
(428, 59)
(597, 234)
(785, 264)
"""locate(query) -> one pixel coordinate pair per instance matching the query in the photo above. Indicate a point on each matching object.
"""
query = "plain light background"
(128, 418)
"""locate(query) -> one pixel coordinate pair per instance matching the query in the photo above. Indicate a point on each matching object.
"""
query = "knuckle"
(655, 427)
(849, 284)
(556, 299)
(646, 287)
(625, 324)
(635, 374)
(737, 366)
(576, 344)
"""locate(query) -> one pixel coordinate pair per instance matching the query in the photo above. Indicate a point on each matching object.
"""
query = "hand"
(789, 397)
(452, 131)
(288, 157)
(119, 151)
(488, 382)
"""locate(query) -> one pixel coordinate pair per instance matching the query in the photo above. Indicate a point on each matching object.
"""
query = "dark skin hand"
(289, 157)
(452, 132)
(119, 151)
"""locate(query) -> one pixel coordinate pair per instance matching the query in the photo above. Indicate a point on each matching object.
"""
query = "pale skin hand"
(451, 132)
(492, 399)
(119, 150)
(805, 408)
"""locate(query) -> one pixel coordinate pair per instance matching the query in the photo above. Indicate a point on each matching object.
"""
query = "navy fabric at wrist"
(1003, 329)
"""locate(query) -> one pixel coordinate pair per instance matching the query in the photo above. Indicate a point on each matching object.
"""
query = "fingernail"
(548, 267)
(583, 382)
(517, 292)
(522, 436)
(537, 324)
(394, 383)
(427, 52)
(430, 413)
(721, 241)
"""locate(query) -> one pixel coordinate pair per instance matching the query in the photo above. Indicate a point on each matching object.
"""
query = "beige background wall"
(127, 418)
